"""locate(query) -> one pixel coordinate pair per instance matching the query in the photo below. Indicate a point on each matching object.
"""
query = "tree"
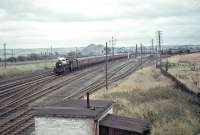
(71, 54)
(79, 54)
(21, 58)
(108, 50)
(56, 54)
(12, 59)
(34, 56)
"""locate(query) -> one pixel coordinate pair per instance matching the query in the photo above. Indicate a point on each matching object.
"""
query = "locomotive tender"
(64, 65)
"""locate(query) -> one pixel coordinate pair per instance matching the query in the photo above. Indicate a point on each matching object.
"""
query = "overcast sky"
(68, 23)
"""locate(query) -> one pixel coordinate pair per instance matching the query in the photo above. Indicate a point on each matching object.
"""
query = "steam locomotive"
(174, 51)
(64, 65)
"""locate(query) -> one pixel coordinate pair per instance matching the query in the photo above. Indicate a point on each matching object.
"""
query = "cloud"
(27, 22)
(94, 10)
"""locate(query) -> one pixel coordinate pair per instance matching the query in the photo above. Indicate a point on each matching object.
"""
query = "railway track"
(25, 86)
(9, 83)
(93, 87)
(15, 112)
(100, 81)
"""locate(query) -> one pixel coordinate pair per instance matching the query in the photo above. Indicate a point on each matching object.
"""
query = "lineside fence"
(179, 84)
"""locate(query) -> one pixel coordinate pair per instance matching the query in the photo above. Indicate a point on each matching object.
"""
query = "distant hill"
(89, 50)
(92, 50)
(25, 52)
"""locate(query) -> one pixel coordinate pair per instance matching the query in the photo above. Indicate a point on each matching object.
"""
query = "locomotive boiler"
(64, 65)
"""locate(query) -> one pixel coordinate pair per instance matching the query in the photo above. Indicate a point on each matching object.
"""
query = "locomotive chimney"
(88, 100)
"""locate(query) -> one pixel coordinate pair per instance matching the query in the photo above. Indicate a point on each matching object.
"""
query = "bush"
(34, 56)
(21, 58)
(12, 59)
(170, 111)
(71, 54)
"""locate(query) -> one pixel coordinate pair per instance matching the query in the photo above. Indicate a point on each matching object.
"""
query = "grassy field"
(14, 70)
(187, 69)
(149, 95)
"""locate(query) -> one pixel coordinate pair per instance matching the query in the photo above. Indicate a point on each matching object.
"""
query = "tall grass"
(149, 95)
(14, 70)
(187, 69)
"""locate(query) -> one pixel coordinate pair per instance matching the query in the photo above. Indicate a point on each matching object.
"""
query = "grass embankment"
(14, 70)
(149, 95)
(187, 69)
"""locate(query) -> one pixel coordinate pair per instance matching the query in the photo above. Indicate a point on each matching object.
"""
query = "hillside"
(170, 111)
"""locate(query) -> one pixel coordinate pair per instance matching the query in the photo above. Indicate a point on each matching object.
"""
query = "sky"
(70, 23)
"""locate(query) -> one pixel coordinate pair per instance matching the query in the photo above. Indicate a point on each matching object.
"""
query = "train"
(174, 51)
(64, 65)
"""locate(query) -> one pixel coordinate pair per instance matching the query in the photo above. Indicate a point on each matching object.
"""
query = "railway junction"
(20, 94)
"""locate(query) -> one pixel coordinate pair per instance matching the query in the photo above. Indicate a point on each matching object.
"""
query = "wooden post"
(159, 45)
(51, 51)
(152, 42)
(106, 66)
(136, 51)
(156, 56)
(5, 58)
(112, 46)
(141, 53)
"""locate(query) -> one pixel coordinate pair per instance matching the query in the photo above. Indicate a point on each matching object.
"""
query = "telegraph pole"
(106, 66)
(128, 54)
(150, 50)
(152, 43)
(12, 52)
(136, 51)
(115, 43)
(76, 52)
(159, 45)
(141, 53)
(51, 50)
(5, 59)
(112, 46)
(156, 47)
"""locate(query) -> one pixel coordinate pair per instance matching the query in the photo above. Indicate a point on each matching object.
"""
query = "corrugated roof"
(124, 123)
(73, 109)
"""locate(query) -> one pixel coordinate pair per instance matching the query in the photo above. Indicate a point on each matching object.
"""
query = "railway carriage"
(69, 65)
(83, 63)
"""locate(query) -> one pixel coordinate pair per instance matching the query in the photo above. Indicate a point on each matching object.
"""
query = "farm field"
(23, 69)
(186, 68)
(148, 95)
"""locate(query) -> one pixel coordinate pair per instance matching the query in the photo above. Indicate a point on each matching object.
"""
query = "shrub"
(12, 59)
(21, 58)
